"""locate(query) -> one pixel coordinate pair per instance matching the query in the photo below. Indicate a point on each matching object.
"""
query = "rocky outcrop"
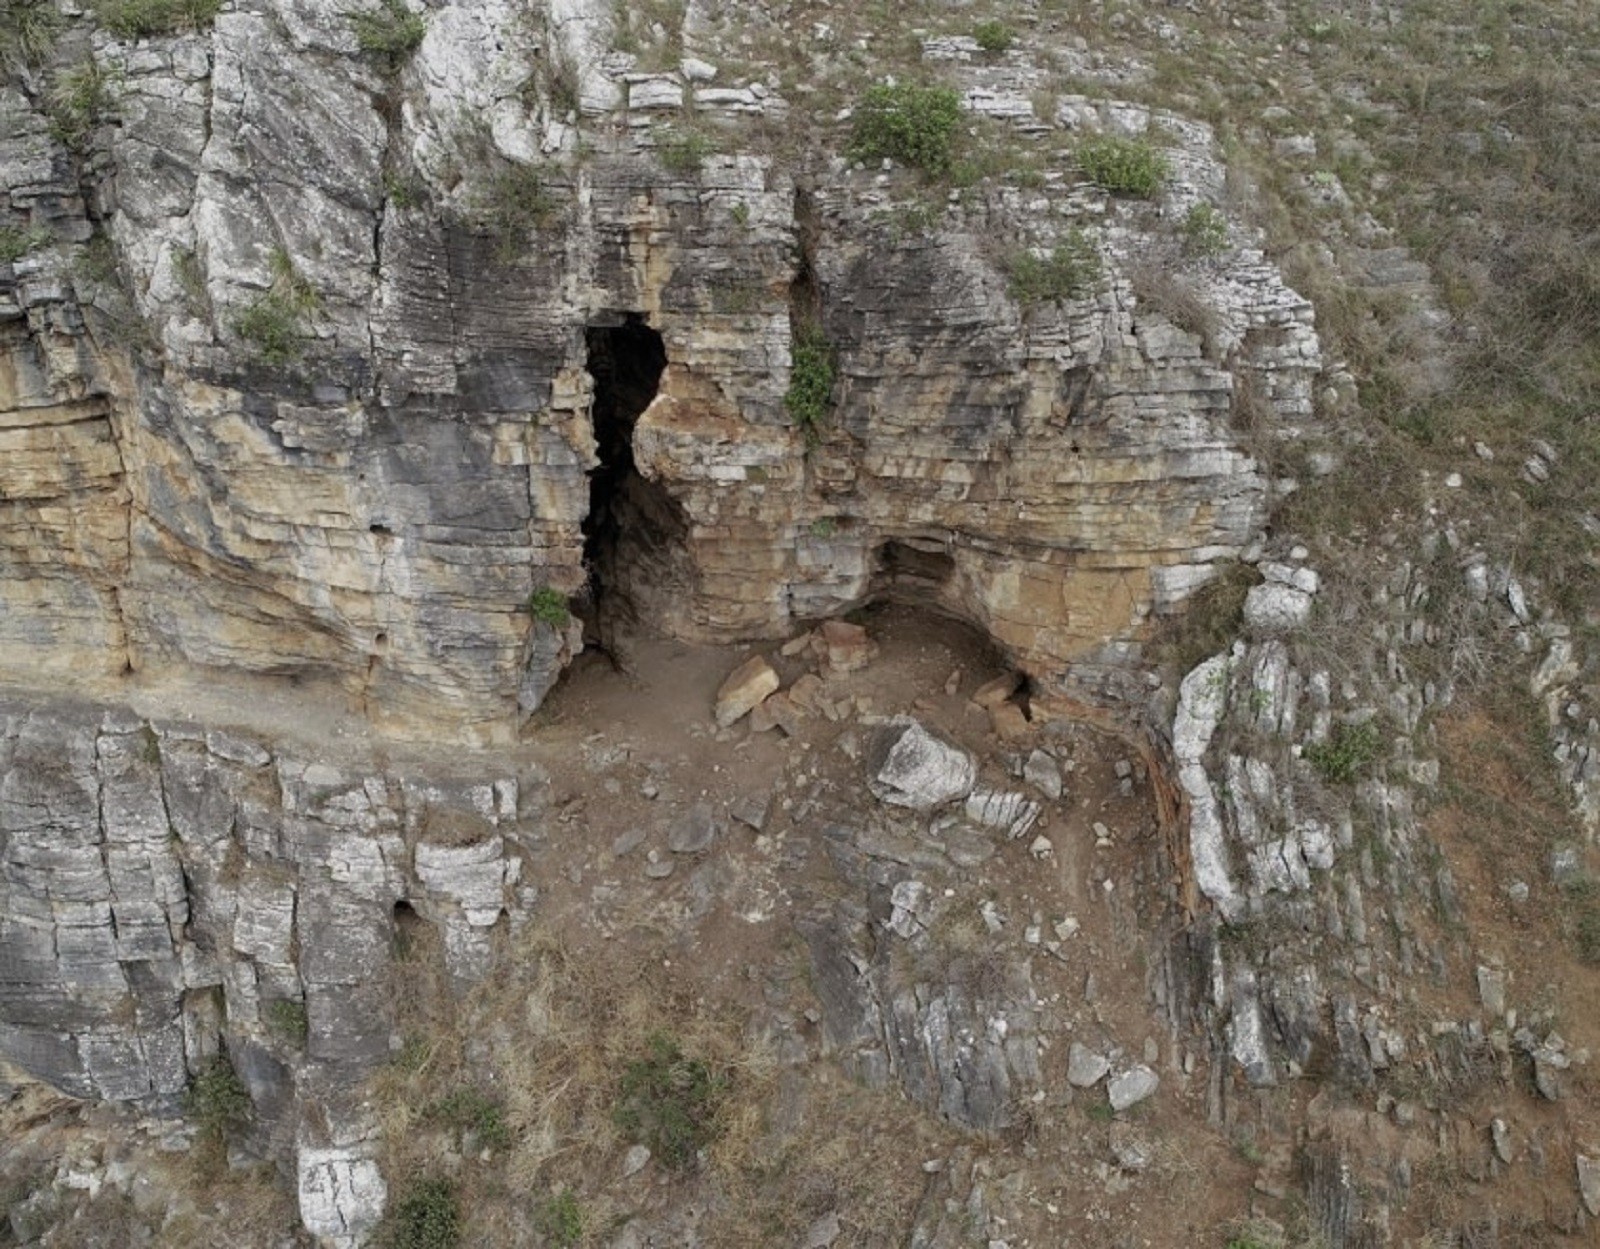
(169, 893)
(343, 425)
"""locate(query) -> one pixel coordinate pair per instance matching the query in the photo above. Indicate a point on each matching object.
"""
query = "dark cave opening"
(916, 572)
(630, 519)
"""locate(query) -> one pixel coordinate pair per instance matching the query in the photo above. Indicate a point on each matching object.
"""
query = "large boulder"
(910, 767)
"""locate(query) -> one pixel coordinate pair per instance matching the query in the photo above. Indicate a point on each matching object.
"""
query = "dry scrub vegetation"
(524, 1097)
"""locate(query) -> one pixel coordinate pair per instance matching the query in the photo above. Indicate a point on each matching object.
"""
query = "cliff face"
(331, 410)
(346, 377)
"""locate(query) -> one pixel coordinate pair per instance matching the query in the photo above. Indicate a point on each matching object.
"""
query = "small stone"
(822, 1233)
(1041, 847)
(1500, 1134)
(744, 690)
(1085, 1068)
(695, 832)
(635, 1160)
(1589, 1183)
(1067, 928)
(845, 646)
(1129, 1148)
(650, 790)
(1452, 481)
(696, 70)
(1132, 1087)
(1008, 722)
(752, 810)
(1042, 772)
(952, 683)
(626, 843)
(993, 693)
(1492, 990)
(656, 867)
(1123, 769)
(794, 646)
(1271, 608)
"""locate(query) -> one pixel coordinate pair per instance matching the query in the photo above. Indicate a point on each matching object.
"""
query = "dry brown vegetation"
(547, 1043)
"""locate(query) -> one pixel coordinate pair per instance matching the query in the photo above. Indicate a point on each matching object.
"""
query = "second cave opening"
(632, 525)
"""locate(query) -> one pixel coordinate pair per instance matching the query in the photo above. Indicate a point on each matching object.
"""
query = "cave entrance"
(631, 521)
(916, 572)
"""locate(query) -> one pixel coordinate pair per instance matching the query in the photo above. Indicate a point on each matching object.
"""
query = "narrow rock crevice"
(632, 525)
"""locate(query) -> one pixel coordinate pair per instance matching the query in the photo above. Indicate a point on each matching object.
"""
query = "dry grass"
(548, 1040)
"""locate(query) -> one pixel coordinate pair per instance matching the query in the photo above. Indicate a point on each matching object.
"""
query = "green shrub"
(288, 1019)
(276, 324)
(811, 375)
(78, 102)
(391, 32)
(427, 1217)
(217, 1100)
(1348, 749)
(559, 1219)
(139, 19)
(682, 151)
(518, 203)
(549, 606)
(1205, 231)
(1123, 166)
(28, 31)
(1070, 271)
(468, 1110)
(15, 242)
(912, 123)
(669, 1102)
(993, 37)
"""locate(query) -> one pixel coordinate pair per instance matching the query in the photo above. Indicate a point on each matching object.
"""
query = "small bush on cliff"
(993, 37)
(518, 202)
(1350, 748)
(78, 102)
(15, 242)
(427, 1217)
(28, 31)
(669, 1102)
(467, 1111)
(391, 32)
(1205, 231)
(288, 1019)
(912, 123)
(140, 19)
(1124, 166)
(275, 325)
(1070, 271)
(217, 1100)
(682, 151)
(811, 374)
(559, 1219)
(549, 606)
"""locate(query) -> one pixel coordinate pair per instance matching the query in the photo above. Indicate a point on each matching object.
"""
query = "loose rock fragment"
(915, 769)
(743, 691)
(1132, 1087)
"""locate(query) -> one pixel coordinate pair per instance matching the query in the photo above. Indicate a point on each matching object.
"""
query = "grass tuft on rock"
(913, 123)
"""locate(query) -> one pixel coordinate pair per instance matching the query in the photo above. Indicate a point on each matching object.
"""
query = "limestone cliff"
(300, 377)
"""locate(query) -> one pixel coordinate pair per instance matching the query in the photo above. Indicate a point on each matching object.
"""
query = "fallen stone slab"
(745, 689)
(1132, 1087)
(913, 768)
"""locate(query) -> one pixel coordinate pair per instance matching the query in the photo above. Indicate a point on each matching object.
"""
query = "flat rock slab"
(1589, 1183)
(694, 832)
(1085, 1068)
(845, 647)
(918, 770)
(1132, 1087)
(745, 689)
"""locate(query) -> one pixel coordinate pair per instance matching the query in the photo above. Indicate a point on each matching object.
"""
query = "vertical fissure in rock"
(633, 524)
